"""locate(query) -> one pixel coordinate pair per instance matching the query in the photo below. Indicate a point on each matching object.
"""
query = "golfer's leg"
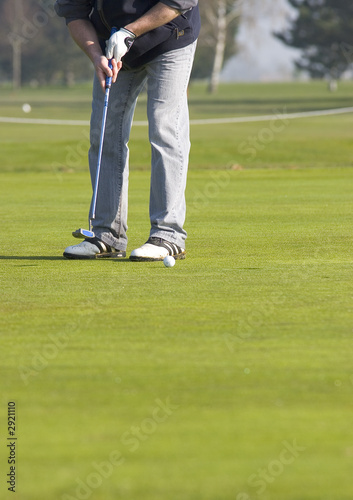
(168, 78)
(110, 224)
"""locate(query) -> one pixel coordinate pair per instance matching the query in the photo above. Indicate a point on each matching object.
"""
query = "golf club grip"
(108, 80)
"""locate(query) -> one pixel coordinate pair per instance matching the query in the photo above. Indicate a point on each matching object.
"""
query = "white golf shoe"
(157, 249)
(92, 248)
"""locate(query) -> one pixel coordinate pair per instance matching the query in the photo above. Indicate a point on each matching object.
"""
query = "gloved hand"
(119, 43)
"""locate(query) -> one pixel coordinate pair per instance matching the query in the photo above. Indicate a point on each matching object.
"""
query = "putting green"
(226, 377)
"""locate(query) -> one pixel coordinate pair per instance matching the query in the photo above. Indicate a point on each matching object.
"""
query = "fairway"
(226, 377)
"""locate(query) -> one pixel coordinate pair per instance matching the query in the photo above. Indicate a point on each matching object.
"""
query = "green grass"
(248, 341)
(315, 142)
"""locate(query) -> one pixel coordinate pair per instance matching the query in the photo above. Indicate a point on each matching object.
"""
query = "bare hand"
(102, 70)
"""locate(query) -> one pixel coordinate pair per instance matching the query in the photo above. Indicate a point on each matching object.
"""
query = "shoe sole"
(111, 255)
(179, 256)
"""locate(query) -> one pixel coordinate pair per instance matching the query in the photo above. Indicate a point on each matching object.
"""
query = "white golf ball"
(169, 261)
(26, 108)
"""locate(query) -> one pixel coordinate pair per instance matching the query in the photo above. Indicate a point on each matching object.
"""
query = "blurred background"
(252, 40)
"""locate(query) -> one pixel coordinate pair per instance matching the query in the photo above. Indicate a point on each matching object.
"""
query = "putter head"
(83, 233)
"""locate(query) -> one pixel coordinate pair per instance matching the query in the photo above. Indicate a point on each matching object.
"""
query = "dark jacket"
(105, 14)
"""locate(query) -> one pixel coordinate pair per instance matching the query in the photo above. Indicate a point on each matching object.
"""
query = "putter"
(84, 233)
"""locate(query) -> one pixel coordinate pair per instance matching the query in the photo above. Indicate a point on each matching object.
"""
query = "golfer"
(154, 45)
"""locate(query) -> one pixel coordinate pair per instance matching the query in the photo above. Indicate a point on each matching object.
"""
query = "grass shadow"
(48, 257)
(30, 257)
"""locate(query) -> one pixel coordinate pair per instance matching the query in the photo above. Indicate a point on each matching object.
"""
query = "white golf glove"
(119, 43)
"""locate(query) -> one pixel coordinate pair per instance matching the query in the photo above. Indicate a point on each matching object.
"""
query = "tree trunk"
(332, 84)
(16, 43)
(220, 45)
(16, 65)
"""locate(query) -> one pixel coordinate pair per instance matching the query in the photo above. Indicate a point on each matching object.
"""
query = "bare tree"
(219, 21)
(15, 15)
(36, 47)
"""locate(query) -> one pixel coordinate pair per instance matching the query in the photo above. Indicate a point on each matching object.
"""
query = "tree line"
(36, 47)
(323, 31)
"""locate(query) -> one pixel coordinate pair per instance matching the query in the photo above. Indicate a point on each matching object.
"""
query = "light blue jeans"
(167, 78)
